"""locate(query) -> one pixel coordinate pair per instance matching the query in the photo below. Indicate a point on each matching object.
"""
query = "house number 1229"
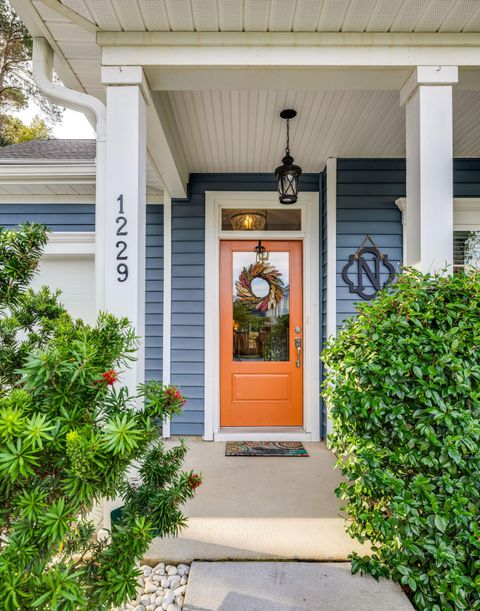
(121, 245)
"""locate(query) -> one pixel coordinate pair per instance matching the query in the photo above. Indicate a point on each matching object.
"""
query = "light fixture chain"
(287, 150)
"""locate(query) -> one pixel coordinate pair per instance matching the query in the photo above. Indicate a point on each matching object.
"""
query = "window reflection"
(261, 307)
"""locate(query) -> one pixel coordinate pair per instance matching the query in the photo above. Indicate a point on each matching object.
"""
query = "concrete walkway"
(260, 509)
(288, 586)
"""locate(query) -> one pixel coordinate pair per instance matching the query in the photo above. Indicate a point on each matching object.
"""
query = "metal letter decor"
(358, 267)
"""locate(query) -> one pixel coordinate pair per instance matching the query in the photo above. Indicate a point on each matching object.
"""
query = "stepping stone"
(288, 586)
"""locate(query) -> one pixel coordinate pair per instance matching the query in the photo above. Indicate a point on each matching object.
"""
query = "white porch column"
(427, 96)
(125, 209)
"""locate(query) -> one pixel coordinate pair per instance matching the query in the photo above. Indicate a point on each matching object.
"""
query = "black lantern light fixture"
(288, 174)
(261, 254)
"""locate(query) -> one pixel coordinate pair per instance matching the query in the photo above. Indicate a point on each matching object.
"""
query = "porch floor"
(260, 508)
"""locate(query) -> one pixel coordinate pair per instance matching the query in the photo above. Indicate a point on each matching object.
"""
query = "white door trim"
(309, 235)
(331, 280)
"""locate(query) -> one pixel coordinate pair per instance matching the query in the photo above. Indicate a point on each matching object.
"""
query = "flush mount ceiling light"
(288, 174)
(249, 220)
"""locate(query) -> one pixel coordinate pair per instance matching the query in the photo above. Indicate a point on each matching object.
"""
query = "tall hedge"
(403, 384)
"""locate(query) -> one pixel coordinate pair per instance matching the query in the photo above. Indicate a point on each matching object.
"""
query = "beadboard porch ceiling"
(234, 126)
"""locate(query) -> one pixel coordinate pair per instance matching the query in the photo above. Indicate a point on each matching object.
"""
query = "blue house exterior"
(366, 203)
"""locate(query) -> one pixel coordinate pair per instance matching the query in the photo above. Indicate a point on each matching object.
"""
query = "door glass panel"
(261, 307)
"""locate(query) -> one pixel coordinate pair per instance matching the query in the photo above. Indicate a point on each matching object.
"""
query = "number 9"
(122, 270)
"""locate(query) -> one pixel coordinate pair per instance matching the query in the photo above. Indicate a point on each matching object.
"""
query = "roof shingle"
(62, 149)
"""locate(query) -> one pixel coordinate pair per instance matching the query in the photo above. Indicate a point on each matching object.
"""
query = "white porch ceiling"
(240, 131)
(281, 15)
(236, 128)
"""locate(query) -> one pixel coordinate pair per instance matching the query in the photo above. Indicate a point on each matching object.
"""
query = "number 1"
(120, 201)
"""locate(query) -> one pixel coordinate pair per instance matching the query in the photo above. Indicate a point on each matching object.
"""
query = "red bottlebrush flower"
(179, 397)
(110, 377)
(194, 480)
(173, 394)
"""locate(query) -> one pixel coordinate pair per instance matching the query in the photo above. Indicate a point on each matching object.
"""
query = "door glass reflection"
(261, 307)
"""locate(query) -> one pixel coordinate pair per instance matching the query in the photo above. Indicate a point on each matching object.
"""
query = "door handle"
(298, 346)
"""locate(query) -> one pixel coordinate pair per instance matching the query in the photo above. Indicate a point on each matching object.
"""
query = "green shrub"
(70, 436)
(403, 384)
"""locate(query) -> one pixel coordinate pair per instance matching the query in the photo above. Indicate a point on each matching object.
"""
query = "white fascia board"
(288, 79)
(288, 39)
(39, 173)
(275, 50)
(70, 243)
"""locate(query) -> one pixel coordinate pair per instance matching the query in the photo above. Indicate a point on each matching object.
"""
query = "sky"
(73, 125)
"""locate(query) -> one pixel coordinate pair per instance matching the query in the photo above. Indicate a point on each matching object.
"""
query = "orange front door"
(261, 340)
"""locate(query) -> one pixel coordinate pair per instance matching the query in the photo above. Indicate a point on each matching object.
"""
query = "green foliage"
(17, 86)
(71, 436)
(403, 384)
(13, 130)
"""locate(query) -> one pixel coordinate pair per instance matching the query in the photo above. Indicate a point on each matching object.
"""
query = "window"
(270, 219)
(261, 307)
(461, 242)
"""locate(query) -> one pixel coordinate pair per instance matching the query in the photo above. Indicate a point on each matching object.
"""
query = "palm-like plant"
(68, 436)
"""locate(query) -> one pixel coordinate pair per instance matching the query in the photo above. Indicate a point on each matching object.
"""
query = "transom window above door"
(267, 219)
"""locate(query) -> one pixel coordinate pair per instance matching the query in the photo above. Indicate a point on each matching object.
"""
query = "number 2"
(123, 247)
(123, 221)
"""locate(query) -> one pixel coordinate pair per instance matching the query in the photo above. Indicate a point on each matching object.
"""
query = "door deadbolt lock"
(298, 346)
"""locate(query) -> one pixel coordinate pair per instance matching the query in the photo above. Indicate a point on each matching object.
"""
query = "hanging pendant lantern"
(261, 254)
(288, 174)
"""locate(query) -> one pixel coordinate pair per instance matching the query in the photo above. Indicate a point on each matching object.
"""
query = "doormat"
(265, 448)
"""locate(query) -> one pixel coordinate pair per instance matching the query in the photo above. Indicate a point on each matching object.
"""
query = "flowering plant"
(69, 434)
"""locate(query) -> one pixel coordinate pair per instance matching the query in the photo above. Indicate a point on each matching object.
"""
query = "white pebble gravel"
(160, 588)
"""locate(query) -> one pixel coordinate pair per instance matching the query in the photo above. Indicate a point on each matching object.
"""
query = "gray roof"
(62, 150)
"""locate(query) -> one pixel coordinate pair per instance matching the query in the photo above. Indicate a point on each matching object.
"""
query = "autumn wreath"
(270, 274)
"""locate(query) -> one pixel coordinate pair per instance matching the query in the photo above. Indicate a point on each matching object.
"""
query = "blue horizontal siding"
(366, 191)
(57, 217)
(366, 194)
(466, 177)
(154, 294)
(188, 285)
